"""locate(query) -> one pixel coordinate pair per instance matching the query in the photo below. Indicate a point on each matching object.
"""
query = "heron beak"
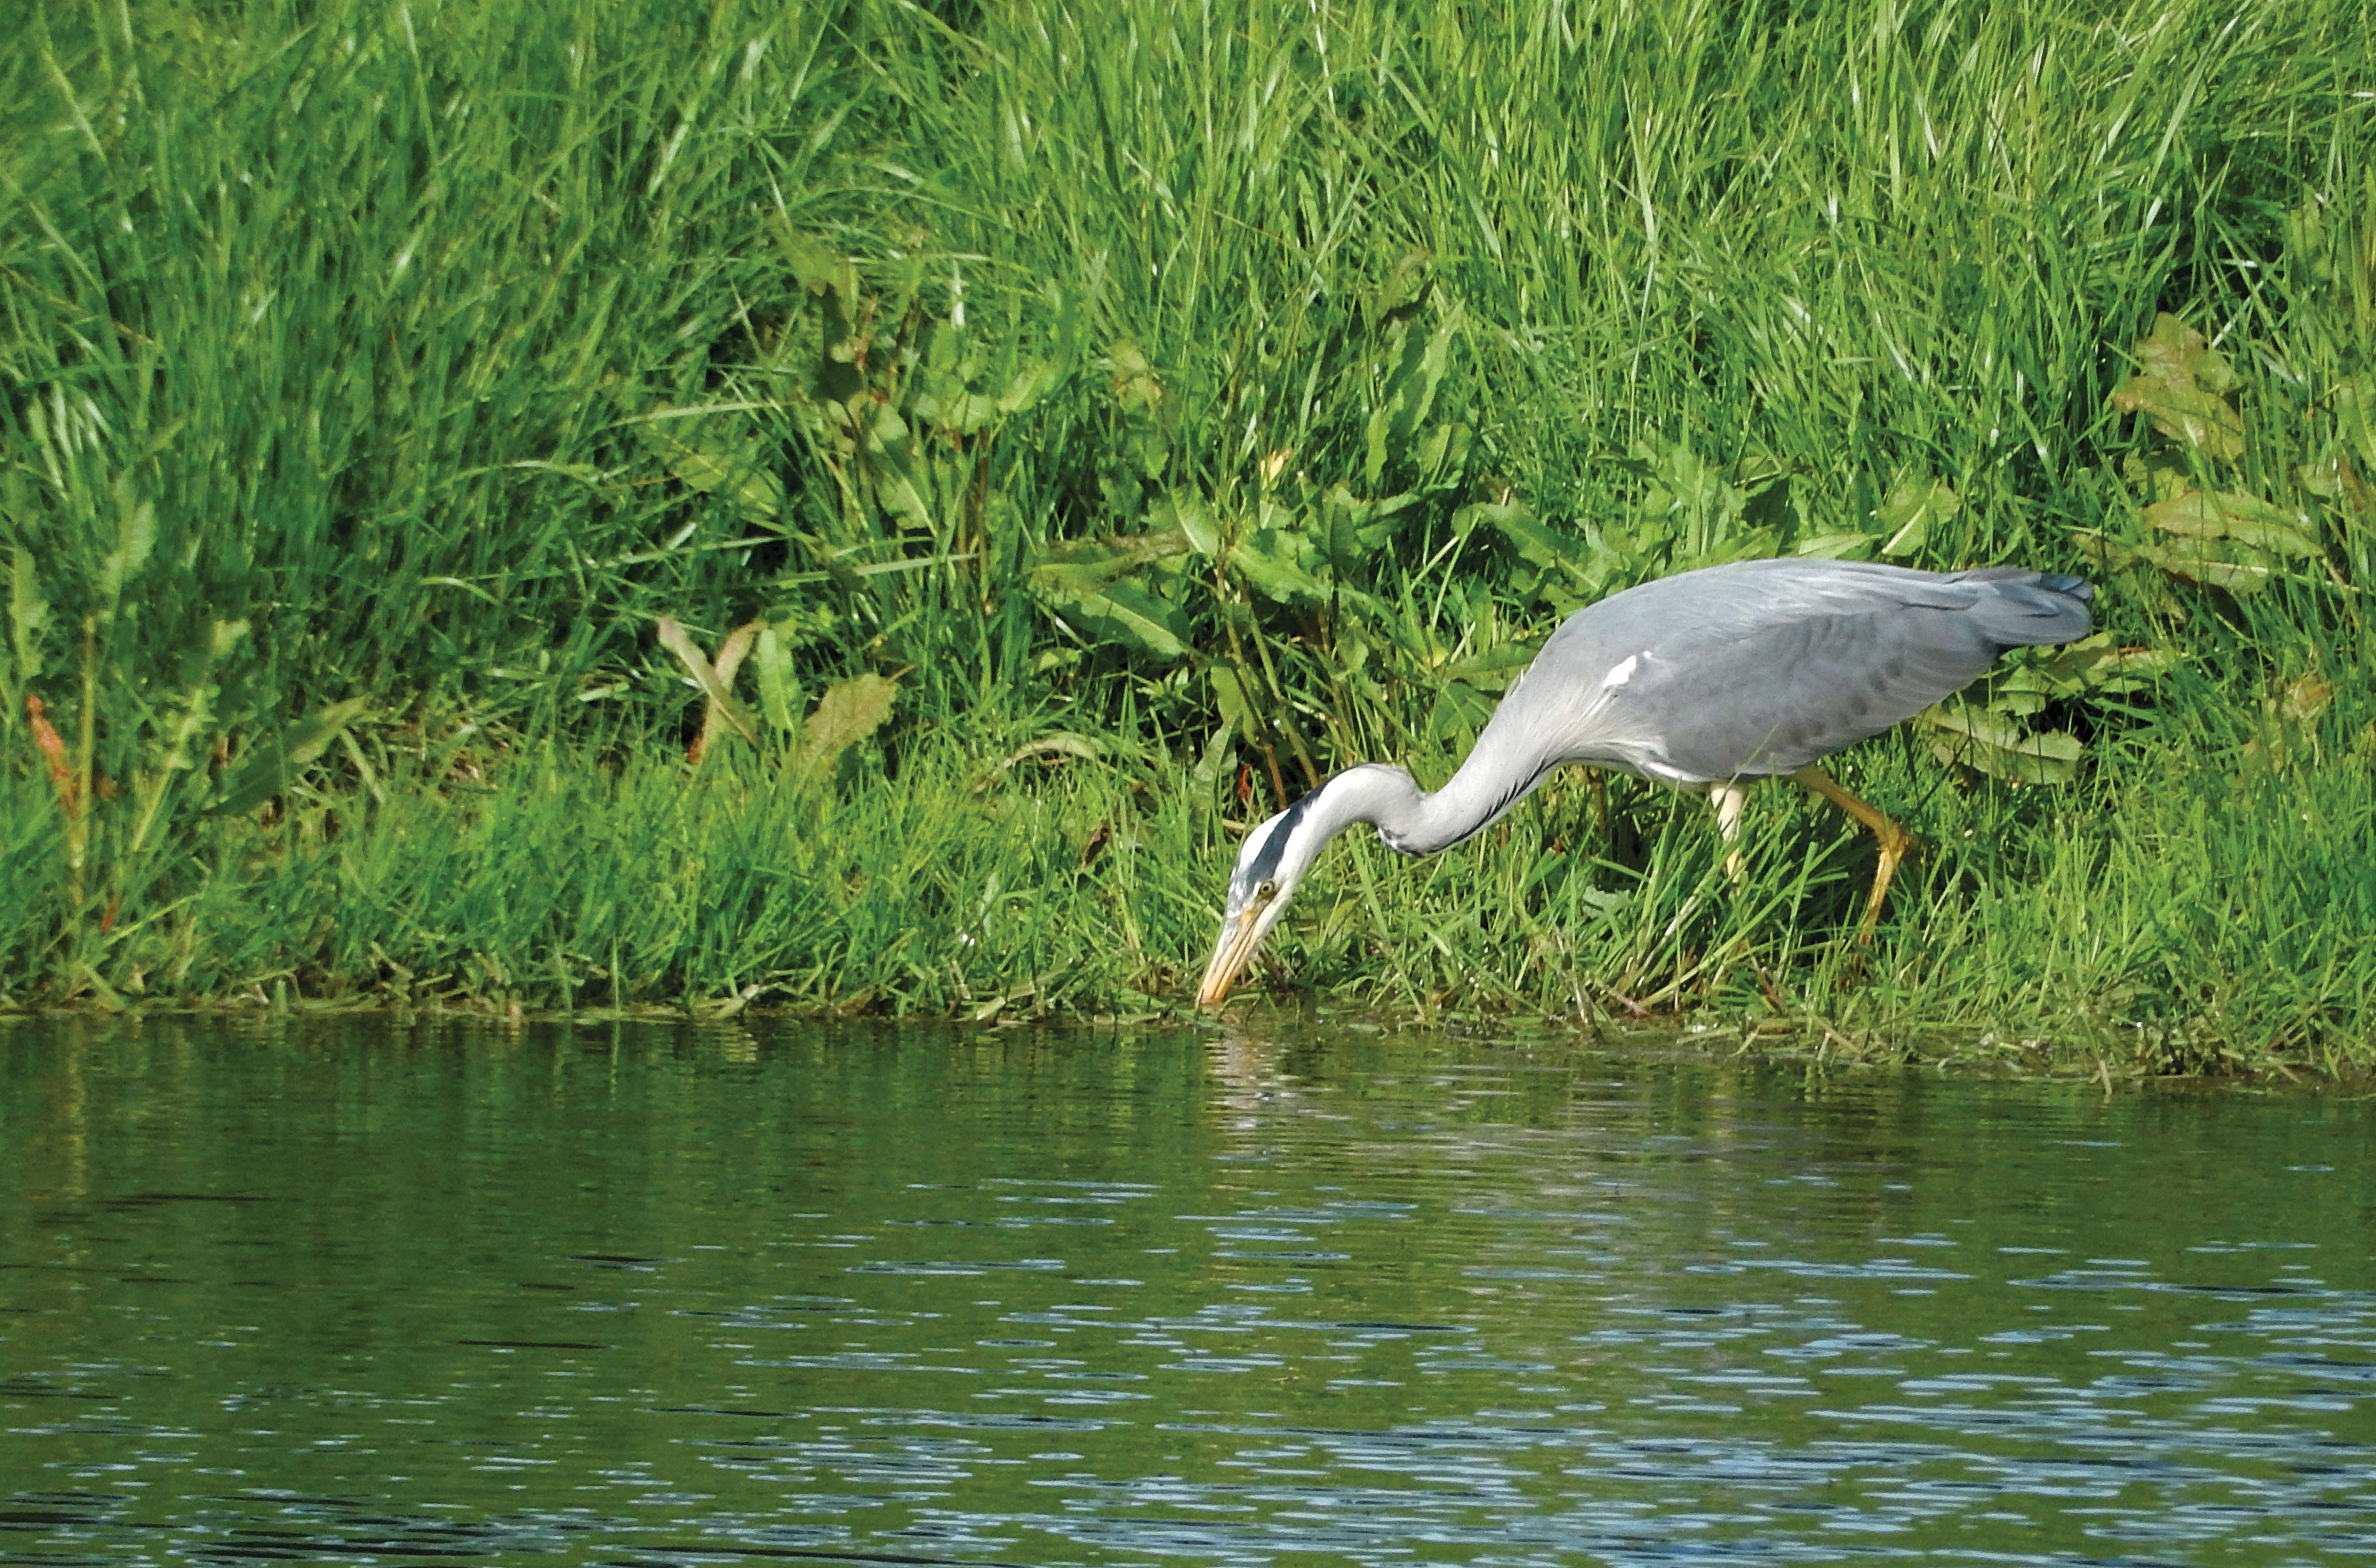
(1239, 935)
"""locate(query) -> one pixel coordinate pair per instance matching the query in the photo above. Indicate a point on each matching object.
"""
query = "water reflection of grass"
(1173, 404)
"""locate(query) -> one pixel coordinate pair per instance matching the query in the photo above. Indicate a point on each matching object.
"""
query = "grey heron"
(1705, 680)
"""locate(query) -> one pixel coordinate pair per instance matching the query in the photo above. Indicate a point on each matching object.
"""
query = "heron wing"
(1806, 673)
(1783, 697)
(1758, 667)
(1765, 667)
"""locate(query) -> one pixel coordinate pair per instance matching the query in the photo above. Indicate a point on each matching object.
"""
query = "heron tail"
(2046, 610)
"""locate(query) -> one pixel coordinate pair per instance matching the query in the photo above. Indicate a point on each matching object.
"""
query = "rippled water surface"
(643, 1296)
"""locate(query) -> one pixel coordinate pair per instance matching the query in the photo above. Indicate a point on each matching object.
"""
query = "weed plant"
(1165, 405)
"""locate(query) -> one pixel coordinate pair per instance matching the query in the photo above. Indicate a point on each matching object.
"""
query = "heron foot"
(1896, 841)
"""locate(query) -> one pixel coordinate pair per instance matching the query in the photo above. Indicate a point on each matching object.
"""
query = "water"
(647, 1296)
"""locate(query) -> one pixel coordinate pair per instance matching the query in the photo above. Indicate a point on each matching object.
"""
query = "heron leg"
(1729, 797)
(1895, 841)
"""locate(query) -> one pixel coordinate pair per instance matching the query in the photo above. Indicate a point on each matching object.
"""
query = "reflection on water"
(656, 1296)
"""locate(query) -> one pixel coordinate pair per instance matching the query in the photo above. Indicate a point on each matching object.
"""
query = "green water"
(648, 1296)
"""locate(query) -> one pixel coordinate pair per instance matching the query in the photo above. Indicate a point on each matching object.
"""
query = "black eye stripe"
(1264, 867)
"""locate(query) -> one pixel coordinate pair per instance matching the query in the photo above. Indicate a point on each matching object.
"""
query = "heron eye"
(1268, 889)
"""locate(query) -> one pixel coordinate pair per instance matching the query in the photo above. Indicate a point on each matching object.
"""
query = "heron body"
(1704, 682)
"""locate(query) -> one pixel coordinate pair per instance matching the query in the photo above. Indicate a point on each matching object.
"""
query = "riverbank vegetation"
(556, 506)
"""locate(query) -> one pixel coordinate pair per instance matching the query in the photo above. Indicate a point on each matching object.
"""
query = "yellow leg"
(1729, 799)
(1895, 841)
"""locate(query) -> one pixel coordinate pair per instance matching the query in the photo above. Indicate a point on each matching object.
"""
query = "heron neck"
(1414, 821)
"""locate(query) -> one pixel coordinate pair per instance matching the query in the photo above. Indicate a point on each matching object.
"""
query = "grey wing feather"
(1781, 699)
(1862, 654)
(1764, 667)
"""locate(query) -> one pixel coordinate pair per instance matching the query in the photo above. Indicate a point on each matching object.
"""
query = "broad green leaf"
(1126, 613)
(1694, 504)
(2239, 568)
(1680, 481)
(1193, 518)
(1270, 559)
(1082, 566)
(2100, 550)
(1030, 384)
(2301, 699)
(1433, 365)
(2283, 736)
(1229, 690)
(777, 688)
(1135, 385)
(2175, 351)
(1408, 393)
(713, 686)
(1911, 509)
(1534, 542)
(1064, 744)
(848, 713)
(1149, 451)
(1355, 528)
(1381, 419)
(2094, 664)
(711, 465)
(1444, 447)
(1836, 546)
(1087, 565)
(901, 486)
(1992, 745)
(942, 348)
(1406, 286)
(1347, 523)
(2354, 418)
(270, 767)
(1458, 712)
(813, 263)
(1216, 757)
(136, 537)
(2246, 519)
(1492, 671)
(1776, 509)
(958, 411)
(29, 612)
(2180, 386)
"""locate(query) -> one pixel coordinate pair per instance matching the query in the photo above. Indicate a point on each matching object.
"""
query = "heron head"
(1274, 857)
(1261, 885)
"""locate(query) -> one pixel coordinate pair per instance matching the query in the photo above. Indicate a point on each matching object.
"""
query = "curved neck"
(1413, 821)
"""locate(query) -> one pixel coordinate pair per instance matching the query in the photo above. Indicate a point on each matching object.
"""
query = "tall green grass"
(1241, 390)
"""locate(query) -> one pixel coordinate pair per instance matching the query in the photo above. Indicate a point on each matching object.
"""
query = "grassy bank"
(2184, 920)
(1100, 425)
